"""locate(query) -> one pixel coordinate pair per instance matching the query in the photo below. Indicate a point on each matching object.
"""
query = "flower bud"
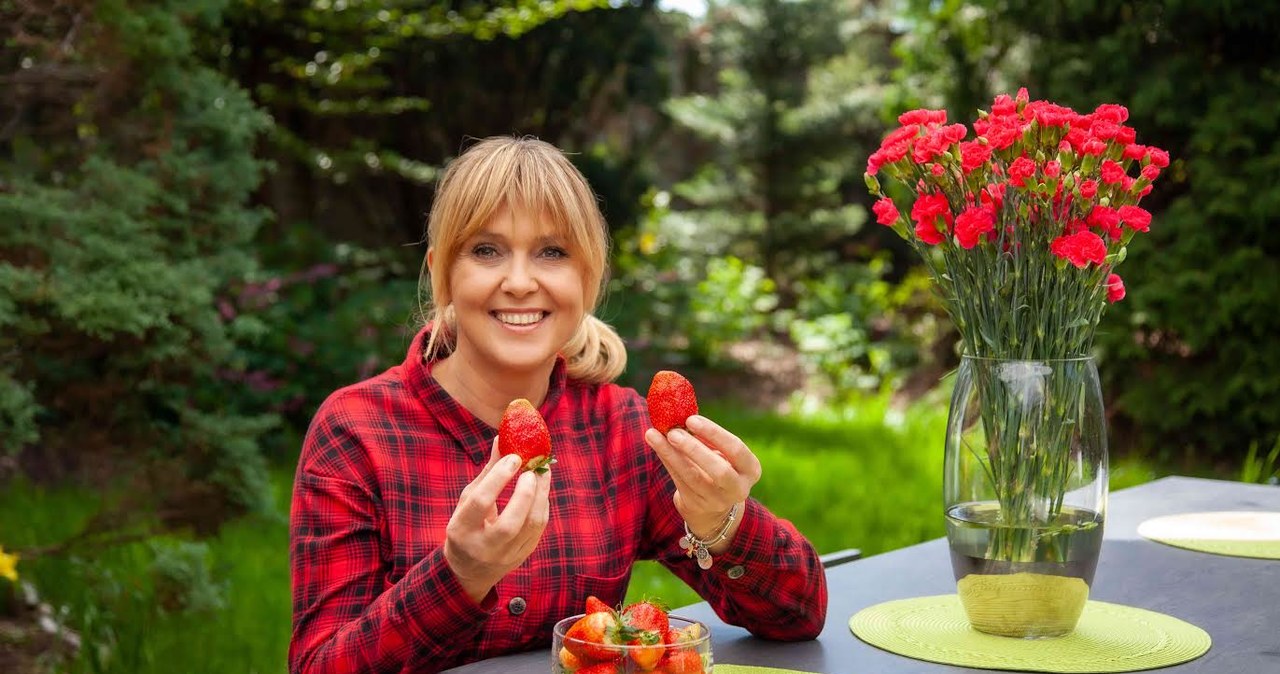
(872, 183)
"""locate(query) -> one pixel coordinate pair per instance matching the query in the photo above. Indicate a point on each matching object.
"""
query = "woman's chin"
(525, 360)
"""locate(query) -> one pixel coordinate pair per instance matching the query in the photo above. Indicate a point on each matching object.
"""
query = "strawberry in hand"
(671, 401)
(523, 432)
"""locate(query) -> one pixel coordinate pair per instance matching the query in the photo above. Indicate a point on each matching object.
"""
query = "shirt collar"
(473, 435)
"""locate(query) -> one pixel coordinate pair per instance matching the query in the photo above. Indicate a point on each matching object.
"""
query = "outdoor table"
(1235, 599)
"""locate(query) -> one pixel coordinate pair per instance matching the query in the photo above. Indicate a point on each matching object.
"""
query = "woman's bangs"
(545, 191)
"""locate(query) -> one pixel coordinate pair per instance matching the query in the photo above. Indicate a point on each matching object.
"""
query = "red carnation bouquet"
(1023, 225)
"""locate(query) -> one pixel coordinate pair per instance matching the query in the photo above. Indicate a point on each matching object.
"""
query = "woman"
(415, 548)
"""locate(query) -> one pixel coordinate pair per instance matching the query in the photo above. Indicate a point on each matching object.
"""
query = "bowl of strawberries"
(640, 638)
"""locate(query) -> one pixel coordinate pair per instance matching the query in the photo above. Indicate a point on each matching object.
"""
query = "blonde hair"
(531, 175)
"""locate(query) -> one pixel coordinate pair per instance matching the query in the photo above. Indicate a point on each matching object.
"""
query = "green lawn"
(864, 477)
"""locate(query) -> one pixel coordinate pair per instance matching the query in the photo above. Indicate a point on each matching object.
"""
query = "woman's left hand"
(713, 470)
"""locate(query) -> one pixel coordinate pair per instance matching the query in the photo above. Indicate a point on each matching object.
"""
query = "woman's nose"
(519, 279)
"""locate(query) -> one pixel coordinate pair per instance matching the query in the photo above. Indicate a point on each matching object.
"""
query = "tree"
(126, 165)
(370, 99)
(787, 117)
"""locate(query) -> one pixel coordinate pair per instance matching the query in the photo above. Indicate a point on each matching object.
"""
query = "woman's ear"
(431, 257)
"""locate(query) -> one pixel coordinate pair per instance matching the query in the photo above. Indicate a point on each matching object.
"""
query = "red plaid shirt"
(380, 473)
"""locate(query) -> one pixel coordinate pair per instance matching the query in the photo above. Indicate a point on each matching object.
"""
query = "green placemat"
(1239, 534)
(752, 669)
(1108, 638)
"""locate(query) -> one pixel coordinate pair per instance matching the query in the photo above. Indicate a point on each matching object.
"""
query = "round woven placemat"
(1238, 534)
(1108, 638)
(752, 669)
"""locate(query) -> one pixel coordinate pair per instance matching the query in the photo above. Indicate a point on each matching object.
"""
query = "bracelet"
(696, 547)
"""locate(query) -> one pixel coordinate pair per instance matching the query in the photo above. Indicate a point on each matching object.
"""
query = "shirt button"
(517, 605)
(735, 572)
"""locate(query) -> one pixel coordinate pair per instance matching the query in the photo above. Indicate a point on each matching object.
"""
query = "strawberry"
(683, 635)
(647, 615)
(569, 661)
(600, 668)
(590, 637)
(671, 401)
(682, 661)
(594, 605)
(649, 620)
(646, 649)
(524, 433)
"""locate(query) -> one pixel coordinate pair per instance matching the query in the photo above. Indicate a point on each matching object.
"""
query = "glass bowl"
(691, 655)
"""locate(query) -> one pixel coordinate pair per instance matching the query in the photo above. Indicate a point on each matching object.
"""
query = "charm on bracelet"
(697, 548)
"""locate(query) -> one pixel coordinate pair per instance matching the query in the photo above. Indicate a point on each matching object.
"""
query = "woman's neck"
(485, 392)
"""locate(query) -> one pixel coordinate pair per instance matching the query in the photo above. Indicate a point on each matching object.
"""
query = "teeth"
(520, 319)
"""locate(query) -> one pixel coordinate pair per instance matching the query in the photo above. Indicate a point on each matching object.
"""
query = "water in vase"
(1027, 582)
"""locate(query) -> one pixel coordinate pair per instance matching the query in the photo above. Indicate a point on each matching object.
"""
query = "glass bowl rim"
(562, 626)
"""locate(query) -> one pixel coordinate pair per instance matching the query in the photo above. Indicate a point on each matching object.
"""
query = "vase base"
(1023, 605)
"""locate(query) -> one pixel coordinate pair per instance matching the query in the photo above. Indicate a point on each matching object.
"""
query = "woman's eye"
(555, 253)
(484, 251)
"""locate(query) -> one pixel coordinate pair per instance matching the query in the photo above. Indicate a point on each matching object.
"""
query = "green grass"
(111, 598)
(864, 477)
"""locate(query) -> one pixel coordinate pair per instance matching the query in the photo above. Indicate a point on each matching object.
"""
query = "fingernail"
(678, 435)
(693, 422)
(512, 460)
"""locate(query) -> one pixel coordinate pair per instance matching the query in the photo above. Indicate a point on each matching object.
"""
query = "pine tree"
(794, 105)
(126, 167)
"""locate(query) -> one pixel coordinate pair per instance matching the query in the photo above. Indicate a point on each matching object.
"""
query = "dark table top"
(1236, 600)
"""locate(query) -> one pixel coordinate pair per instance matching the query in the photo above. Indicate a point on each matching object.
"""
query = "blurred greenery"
(211, 216)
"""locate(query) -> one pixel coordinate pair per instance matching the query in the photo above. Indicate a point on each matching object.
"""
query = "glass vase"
(1025, 492)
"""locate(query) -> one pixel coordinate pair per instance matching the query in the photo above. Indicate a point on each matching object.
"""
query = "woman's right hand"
(483, 545)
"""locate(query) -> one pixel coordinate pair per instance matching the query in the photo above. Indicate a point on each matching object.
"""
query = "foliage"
(365, 119)
(848, 327)
(795, 92)
(1189, 357)
(1262, 469)
(790, 101)
(732, 302)
(345, 315)
(953, 54)
(183, 578)
(125, 169)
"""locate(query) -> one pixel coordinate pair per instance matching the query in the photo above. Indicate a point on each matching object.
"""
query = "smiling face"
(518, 293)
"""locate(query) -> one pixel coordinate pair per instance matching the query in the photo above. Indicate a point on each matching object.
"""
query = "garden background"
(212, 215)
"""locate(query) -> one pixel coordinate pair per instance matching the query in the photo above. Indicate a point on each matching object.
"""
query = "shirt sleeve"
(770, 581)
(346, 617)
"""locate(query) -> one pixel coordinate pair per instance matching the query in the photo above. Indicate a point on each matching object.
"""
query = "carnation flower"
(1021, 217)
(1115, 288)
